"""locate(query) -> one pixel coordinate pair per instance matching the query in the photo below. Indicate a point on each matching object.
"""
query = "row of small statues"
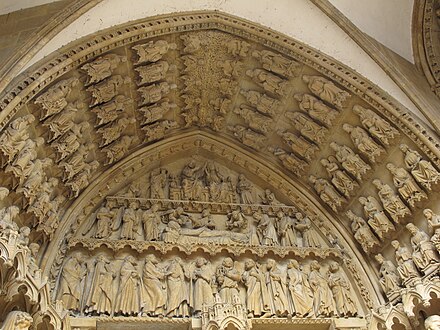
(423, 259)
(419, 173)
(173, 224)
(178, 288)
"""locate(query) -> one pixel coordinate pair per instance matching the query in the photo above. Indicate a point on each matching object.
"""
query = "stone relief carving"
(153, 72)
(326, 90)
(378, 127)
(269, 82)
(406, 185)
(155, 92)
(307, 127)
(103, 67)
(362, 232)
(289, 160)
(106, 90)
(70, 142)
(248, 137)
(262, 102)
(54, 100)
(316, 109)
(62, 122)
(434, 225)
(254, 119)
(391, 202)
(157, 130)
(377, 218)
(156, 111)
(422, 170)
(327, 192)
(110, 111)
(118, 149)
(424, 254)
(350, 161)
(364, 143)
(299, 145)
(389, 277)
(343, 183)
(405, 265)
(277, 63)
(17, 320)
(113, 131)
(153, 51)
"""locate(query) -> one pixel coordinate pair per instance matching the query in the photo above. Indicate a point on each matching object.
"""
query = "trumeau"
(200, 170)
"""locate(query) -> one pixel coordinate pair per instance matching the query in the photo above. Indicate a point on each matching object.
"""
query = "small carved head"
(432, 322)
(403, 147)
(151, 258)
(293, 264)
(249, 264)
(362, 200)
(333, 267)
(271, 264)
(201, 262)
(314, 265)
(411, 228)
(391, 167)
(347, 127)
(379, 258)
(3, 193)
(228, 262)
(395, 244)
(428, 213)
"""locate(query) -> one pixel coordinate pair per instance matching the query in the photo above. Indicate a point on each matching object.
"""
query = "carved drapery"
(313, 136)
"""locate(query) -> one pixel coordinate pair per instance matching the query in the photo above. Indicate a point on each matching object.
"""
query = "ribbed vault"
(89, 122)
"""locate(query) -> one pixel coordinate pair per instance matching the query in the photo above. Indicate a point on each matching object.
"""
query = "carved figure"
(177, 296)
(228, 278)
(103, 67)
(299, 289)
(101, 298)
(391, 202)
(113, 131)
(54, 100)
(205, 220)
(350, 161)
(340, 287)
(389, 278)
(17, 320)
(276, 286)
(326, 90)
(316, 108)
(104, 222)
(32, 259)
(257, 297)
(289, 160)
(269, 82)
(76, 162)
(192, 43)
(203, 294)
(237, 47)
(253, 119)
(69, 143)
(231, 68)
(127, 301)
(156, 112)
(339, 178)
(326, 192)
(130, 222)
(406, 185)
(151, 221)
(248, 137)
(153, 72)
(154, 296)
(310, 237)
(110, 111)
(266, 229)
(157, 130)
(364, 142)
(106, 90)
(236, 221)
(153, 51)
(432, 322)
(221, 104)
(81, 180)
(158, 183)
(376, 125)
(62, 122)
(71, 282)
(118, 149)
(31, 186)
(262, 102)
(244, 190)
(362, 232)
(432, 218)
(286, 230)
(191, 177)
(323, 303)
(424, 252)
(405, 264)
(377, 219)
(277, 63)
(422, 170)
(299, 145)
(307, 126)
(13, 137)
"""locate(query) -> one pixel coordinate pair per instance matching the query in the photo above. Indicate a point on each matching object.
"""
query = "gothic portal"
(198, 171)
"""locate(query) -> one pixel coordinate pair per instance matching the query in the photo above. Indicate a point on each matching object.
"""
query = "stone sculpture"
(326, 192)
(155, 92)
(153, 51)
(155, 111)
(106, 90)
(285, 230)
(340, 287)
(17, 320)
(276, 286)
(113, 131)
(244, 190)
(391, 202)
(389, 277)
(262, 102)
(158, 130)
(424, 252)
(316, 109)
(310, 237)
(343, 183)
(364, 142)
(277, 63)
(110, 111)
(266, 229)
(127, 299)
(203, 294)
(153, 72)
(376, 125)
(422, 170)
(307, 127)
(299, 145)
(326, 90)
(350, 161)
(289, 160)
(299, 290)
(71, 282)
(248, 137)
(14, 137)
(254, 119)
(227, 279)
(362, 232)
(323, 303)
(177, 293)
(154, 296)
(101, 298)
(257, 296)
(405, 184)
(405, 264)
(269, 82)
(377, 219)
(102, 68)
